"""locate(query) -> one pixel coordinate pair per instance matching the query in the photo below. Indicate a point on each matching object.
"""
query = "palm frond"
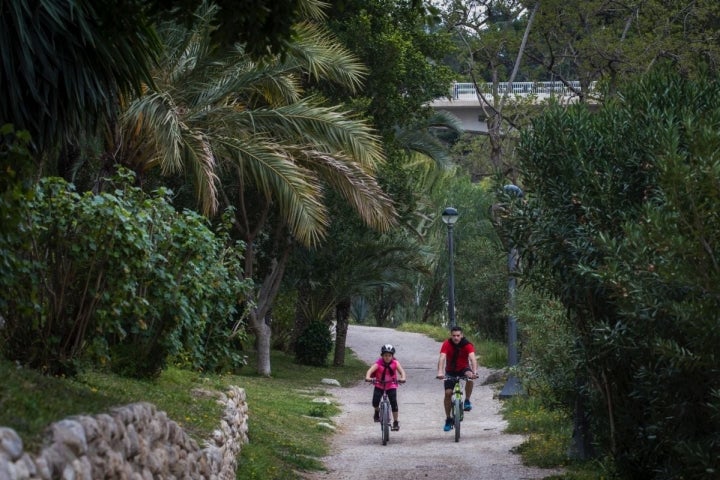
(313, 9)
(320, 55)
(445, 119)
(327, 128)
(199, 155)
(356, 186)
(294, 190)
(418, 141)
(64, 62)
(157, 118)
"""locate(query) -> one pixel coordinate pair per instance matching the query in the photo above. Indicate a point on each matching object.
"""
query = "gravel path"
(420, 450)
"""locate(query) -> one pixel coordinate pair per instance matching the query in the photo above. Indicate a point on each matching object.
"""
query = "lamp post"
(449, 217)
(512, 386)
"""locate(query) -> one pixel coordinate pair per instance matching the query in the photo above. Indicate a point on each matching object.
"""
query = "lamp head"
(450, 216)
(513, 190)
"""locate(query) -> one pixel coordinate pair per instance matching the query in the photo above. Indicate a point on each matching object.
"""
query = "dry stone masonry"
(133, 442)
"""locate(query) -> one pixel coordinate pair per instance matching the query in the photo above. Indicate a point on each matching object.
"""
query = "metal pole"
(451, 280)
(512, 387)
(512, 319)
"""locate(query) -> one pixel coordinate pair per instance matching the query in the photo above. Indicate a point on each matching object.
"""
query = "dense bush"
(119, 278)
(547, 351)
(621, 226)
(314, 344)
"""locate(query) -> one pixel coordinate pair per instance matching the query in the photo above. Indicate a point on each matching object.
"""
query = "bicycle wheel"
(457, 417)
(385, 422)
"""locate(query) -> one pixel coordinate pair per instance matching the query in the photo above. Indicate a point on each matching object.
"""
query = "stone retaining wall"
(133, 442)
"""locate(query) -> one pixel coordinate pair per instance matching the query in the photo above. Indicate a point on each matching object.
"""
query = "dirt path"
(420, 450)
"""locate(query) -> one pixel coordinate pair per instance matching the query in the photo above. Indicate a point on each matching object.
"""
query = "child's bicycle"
(457, 410)
(385, 413)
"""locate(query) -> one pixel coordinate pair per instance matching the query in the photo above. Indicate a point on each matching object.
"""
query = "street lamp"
(512, 387)
(449, 217)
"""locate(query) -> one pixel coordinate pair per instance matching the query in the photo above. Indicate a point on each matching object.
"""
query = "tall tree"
(402, 47)
(63, 64)
(613, 228)
(599, 40)
(251, 140)
(493, 35)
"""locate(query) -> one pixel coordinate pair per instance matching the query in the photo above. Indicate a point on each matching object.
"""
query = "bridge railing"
(467, 90)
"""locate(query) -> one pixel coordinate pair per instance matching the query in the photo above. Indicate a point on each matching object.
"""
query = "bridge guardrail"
(465, 90)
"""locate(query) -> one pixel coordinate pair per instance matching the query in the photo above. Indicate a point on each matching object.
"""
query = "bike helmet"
(387, 348)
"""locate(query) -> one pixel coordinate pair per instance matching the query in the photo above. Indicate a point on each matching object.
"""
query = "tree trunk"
(263, 335)
(383, 307)
(342, 321)
(301, 319)
(259, 317)
(432, 301)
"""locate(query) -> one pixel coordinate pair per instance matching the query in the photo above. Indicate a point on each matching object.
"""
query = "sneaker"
(468, 406)
(376, 416)
(448, 425)
(395, 426)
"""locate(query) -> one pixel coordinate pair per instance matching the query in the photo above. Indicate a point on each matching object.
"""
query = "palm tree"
(64, 62)
(353, 269)
(358, 263)
(250, 139)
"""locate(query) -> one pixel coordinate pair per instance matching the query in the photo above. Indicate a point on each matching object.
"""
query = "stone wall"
(133, 442)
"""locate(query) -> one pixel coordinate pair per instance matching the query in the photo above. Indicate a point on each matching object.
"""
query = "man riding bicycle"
(457, 359)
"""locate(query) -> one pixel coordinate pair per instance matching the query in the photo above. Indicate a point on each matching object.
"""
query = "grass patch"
(549, 431)
(284, 432)
(283, 424)
(29, 401)
(549, 434)
(490, 353)
(435, 332)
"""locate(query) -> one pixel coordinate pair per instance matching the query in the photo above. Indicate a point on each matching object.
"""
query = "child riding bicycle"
(387, 373)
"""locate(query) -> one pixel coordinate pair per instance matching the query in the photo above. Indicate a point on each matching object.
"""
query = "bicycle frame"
(385, 411)
(385, 418)
(457, 412)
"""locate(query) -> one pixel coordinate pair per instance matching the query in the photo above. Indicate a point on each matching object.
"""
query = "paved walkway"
(420, 450)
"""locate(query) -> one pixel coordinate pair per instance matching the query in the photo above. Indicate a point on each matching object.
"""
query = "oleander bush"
(620, 224)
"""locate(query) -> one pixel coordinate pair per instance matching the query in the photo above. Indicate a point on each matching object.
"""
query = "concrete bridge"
(465, 103)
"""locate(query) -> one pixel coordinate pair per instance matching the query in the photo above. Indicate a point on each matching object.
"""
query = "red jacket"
(457, 355)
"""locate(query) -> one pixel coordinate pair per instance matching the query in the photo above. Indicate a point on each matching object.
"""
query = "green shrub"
(547, 363)
(620, 224)
(314, 344)
(120, 279)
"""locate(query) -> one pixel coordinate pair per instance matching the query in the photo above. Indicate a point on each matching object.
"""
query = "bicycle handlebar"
(457, 378)
(383, 382)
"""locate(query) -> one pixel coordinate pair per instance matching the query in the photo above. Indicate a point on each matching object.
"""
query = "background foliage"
(612, 228)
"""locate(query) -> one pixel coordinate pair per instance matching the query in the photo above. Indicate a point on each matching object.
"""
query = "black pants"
(392, 396)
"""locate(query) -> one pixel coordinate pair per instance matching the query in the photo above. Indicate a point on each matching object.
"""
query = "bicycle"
(457, 410)
(385, 411)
